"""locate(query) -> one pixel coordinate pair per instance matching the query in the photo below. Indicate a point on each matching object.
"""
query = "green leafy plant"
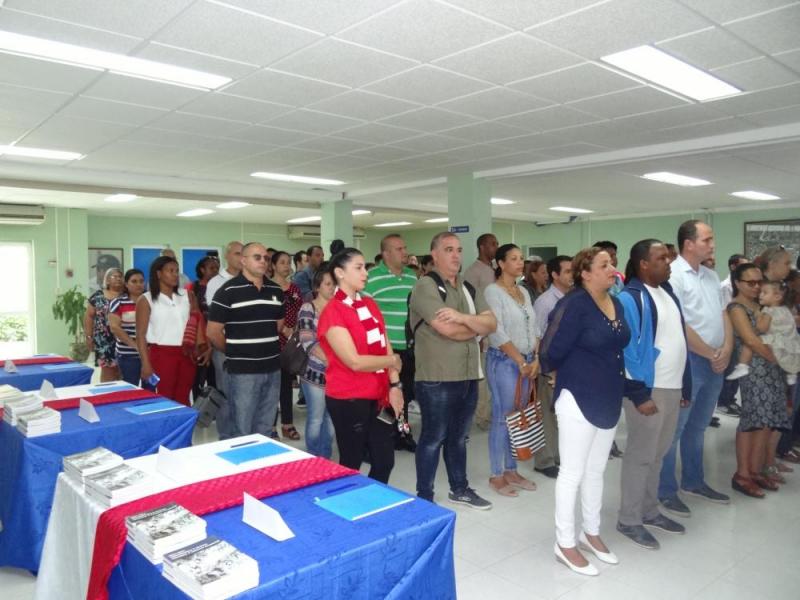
(13, 328)
(70, 308)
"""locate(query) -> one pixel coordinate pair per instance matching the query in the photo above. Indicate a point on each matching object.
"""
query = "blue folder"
(250, 452)
(60, 366)
(363, 502)
(107, 389)
(146, 408)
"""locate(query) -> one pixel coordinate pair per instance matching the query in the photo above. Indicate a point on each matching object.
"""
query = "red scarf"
(371, 325)
(202, 498)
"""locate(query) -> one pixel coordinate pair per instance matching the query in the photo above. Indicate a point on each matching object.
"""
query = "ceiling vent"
(312, 232)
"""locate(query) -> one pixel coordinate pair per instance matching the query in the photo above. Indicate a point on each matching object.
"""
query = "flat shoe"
(504, 490)
(746, 486)
(589, 569)
(522, 484)
(607, 557)
(784, 468)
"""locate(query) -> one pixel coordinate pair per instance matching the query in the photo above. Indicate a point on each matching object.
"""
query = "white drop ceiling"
(391, 96)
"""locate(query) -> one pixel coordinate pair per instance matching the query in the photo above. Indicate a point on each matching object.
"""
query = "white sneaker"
(738, 372)
(413, 407)
(791, 378)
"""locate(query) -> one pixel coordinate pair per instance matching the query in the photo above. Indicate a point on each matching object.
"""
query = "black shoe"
(551, 472)
(665, 524)
(615, 451)
(405, 442)
(639, 536)
(730, 410)
(714, 422)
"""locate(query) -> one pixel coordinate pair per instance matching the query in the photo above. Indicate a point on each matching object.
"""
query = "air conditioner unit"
(312, 232)
(21, 214)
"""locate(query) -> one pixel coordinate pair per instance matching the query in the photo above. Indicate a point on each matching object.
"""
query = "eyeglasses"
(258, 257)
(751, 282)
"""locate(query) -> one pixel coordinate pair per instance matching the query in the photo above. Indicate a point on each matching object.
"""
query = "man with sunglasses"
(243, 322)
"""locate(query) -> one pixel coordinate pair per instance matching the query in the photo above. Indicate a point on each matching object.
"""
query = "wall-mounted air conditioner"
(21, 214)
(312, 232)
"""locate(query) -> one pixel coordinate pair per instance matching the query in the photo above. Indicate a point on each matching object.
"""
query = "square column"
(337, 224)
(469, 207)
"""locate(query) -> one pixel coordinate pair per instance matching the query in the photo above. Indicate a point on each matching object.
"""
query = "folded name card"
(10, 367)
(87, 411)
(47, 391)
(266, 519)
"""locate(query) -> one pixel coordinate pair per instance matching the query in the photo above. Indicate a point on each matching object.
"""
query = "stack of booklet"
(9, 392)
(211, 569)
(164, 529)
(118, 485)
(84, 464)
(42, 421)
(22, 404)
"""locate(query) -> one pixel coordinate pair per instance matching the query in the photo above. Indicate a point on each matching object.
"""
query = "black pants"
(407, 378)
(286, 405)
(358, 428)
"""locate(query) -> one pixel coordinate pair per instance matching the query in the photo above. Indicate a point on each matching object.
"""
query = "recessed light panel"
(232, 204)
(195, 212)
(40, 153)
(304, 220)
(120, 198)
(394, 224)
(570, 209)
(501, 201)
(752, 195)
(296, 178)
(675, 179)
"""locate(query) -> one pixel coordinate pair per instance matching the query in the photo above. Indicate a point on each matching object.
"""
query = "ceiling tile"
(312, 122)
(376, 133)
(758, 101)
(429, 119)
(107, 110)
(182, 139)
(722, 126)
(546, 119)
(431, 143)
(772, 32)
(339, 62)
(576, 149)
(74, 134)
(791, 59)
(44, 75)
(529, 142)
(515, 57)
(363, 105)
(28, 105)
(575, 83)
(625, 24)
(756, 74)
(710, 48)
(487, 131)
(147, 158)
(521, 14)
(140, 18)
(628, 102)
(141, 91)
(179, 121)
(334, 145)
(384, 153)
(427, 85)
(494, 103)
(723, 11)
(423, 30)
(780, 116)
(334, 164)
(329, 16)
(223, 106)
(268, 161)
(222, 31)
(196, 60)
(283, 88)
(270, 135)
(475, 152)
(672, 117)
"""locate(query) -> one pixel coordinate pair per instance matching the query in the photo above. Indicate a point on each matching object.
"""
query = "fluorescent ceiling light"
(438, 220)
(195, 212)
(120, 198)
(233, 204)
(751, 195)
(675, 179)
(500, 201)
(669, 72)
(296, 178)
(358, 212)
(43, 49)
(570, 209)
(394, 224)
(304, 220)
(40, 153)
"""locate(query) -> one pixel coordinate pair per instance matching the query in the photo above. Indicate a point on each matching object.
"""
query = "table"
(404, 552)
(29, 467)
(30, 377)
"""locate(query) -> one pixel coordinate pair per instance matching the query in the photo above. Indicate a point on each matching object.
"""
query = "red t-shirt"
(341, 382)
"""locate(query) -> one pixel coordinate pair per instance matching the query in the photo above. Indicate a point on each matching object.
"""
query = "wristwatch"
(397, 384)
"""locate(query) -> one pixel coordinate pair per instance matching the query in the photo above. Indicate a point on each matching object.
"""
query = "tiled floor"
(745, 550)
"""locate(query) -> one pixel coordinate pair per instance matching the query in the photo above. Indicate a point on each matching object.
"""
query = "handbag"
(207, 404)
(294, 358)
(524, 423)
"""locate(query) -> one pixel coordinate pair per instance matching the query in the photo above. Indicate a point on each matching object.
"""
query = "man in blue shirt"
(305, 278)
(710, 337)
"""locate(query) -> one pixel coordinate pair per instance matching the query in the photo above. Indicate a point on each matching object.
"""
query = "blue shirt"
(544, 305)
(304, 281)
(700, 296)
(586, 350)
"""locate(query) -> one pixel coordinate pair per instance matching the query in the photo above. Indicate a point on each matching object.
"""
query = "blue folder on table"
(146, 408)
(363, 502)
(250, 452)
(107, 389)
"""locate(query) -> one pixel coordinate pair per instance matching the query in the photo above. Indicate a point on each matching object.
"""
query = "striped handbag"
(524, 423)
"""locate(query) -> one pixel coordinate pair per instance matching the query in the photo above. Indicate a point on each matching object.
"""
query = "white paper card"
(10, 367)
(47, 391)
(178, 467)
(87, 411)
(266, 519)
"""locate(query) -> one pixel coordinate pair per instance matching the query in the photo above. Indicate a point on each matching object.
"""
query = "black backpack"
(410, 333)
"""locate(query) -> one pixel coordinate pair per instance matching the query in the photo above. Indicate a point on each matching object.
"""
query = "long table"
(29, 467)
(30, 377)
(404, 552)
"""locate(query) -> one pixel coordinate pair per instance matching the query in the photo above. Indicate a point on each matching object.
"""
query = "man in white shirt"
(710, 337)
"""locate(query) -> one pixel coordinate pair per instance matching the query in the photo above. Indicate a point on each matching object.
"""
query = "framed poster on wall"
(100, 261)
(760, 235)
(191, 255)
(142, 256)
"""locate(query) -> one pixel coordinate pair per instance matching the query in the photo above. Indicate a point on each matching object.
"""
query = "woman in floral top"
(292, 300)
(99, 337)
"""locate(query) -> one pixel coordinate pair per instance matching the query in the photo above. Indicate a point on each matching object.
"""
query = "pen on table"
(244, 444)
(340, 488)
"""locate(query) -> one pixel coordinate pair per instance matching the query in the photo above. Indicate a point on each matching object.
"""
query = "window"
(16, 308)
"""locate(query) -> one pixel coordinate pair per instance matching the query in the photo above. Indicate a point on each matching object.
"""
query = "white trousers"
(584, 452)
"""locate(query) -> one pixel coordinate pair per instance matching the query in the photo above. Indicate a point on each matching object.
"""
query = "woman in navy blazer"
(584, 345)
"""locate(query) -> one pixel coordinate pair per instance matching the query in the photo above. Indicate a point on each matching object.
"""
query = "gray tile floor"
(744, 550)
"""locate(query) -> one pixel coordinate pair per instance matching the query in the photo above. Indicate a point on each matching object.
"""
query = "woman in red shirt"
(362, 382)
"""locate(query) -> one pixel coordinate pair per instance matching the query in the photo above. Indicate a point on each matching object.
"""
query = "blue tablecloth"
(30, 377)
(402, 553)
(29, 467)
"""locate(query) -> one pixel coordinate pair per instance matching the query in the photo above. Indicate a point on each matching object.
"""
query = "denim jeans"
(253, 400)
(502, 373)
(447, 408)
(692, 423)
(319, 427)
(130, 367)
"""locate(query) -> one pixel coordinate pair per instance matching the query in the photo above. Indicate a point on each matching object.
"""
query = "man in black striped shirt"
(243, 322)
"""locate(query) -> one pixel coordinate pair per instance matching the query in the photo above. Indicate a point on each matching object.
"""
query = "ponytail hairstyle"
(341, 259)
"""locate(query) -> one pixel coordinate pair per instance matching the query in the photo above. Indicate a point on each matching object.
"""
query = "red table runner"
(201, 498)
(98, 399)
(39, 360)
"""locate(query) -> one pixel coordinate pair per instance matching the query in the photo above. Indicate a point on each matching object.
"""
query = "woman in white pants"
(584, 344)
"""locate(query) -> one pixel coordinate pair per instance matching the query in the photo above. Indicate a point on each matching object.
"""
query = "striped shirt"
(125, 309)
(251, 320)
(390, 292)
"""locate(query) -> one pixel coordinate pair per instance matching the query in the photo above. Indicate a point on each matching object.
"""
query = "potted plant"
(70, 308)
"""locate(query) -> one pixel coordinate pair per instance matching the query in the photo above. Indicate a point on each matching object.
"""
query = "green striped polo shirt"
(390, 293)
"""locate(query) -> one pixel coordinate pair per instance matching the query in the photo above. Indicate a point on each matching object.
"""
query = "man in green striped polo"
(389, 284)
